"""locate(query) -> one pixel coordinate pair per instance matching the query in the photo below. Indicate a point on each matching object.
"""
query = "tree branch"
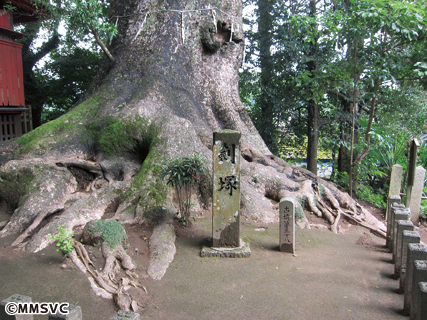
(365, 151)
(338, 94)
(101, 44)
(46, 48)
(323, 122)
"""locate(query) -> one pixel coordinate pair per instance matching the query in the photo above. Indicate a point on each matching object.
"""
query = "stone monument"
(287, 225)
(226, 240)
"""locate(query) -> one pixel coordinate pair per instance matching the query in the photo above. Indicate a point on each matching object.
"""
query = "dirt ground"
(332, 276)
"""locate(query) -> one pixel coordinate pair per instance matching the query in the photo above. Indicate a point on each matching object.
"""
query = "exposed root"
(36, 222)
(334, 226)
(313, 208)
(3, 224)
(378, 230)
(111, 281)
(333, 216)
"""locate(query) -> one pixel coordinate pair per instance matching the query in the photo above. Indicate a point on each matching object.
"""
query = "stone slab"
(243, 251)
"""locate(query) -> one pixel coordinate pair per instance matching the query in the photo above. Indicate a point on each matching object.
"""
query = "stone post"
(226, 189)
(402, 225)
(394, 208)
(421, 307)
(126, 315)
(226, 240)
(398, 215)
(408, 237)
(417, 193)
(287, 225)
(416, 251)
(74, 313)
(16, 298)
(395, 180)
(419, 294)
(393, 202)
(395, 184)
(412, 164)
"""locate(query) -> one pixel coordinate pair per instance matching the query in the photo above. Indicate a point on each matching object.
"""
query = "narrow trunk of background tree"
(313, 108)
(34, 93)
(266, 123)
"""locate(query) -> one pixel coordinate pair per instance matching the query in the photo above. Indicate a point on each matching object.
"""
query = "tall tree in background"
(383, 41)
(265, 100)
(335, 61)
(35, 92)
(313, 107)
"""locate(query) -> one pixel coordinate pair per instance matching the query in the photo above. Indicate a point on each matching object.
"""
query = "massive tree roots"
(41, 194)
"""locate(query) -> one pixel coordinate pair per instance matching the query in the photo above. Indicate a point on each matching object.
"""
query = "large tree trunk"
(174, 83)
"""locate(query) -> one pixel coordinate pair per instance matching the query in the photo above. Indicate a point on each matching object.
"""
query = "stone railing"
(74, 312)
(409, 255)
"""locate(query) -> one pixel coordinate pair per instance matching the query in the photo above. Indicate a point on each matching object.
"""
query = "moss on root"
(129, 135)
(72, 122)
(112, 232)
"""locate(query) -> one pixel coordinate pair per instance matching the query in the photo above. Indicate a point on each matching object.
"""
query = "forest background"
(348, 78)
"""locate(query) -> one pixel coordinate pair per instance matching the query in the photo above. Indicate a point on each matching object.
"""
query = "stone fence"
(74, 312)
(410, 258)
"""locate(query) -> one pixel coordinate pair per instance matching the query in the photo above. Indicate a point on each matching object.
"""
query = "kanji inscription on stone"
(287, 225)
(226, 189)
(229, 183)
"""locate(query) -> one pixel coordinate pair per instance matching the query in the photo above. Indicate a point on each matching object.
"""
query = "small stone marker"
(287, 225)
(226, 189)
(416, 251)
(14, 298)
(416, 194)
(74, 313)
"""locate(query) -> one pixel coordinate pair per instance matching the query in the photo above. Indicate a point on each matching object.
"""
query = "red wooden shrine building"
(15, 118)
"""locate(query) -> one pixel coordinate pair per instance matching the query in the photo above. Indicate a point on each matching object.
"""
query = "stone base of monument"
(244, 251)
